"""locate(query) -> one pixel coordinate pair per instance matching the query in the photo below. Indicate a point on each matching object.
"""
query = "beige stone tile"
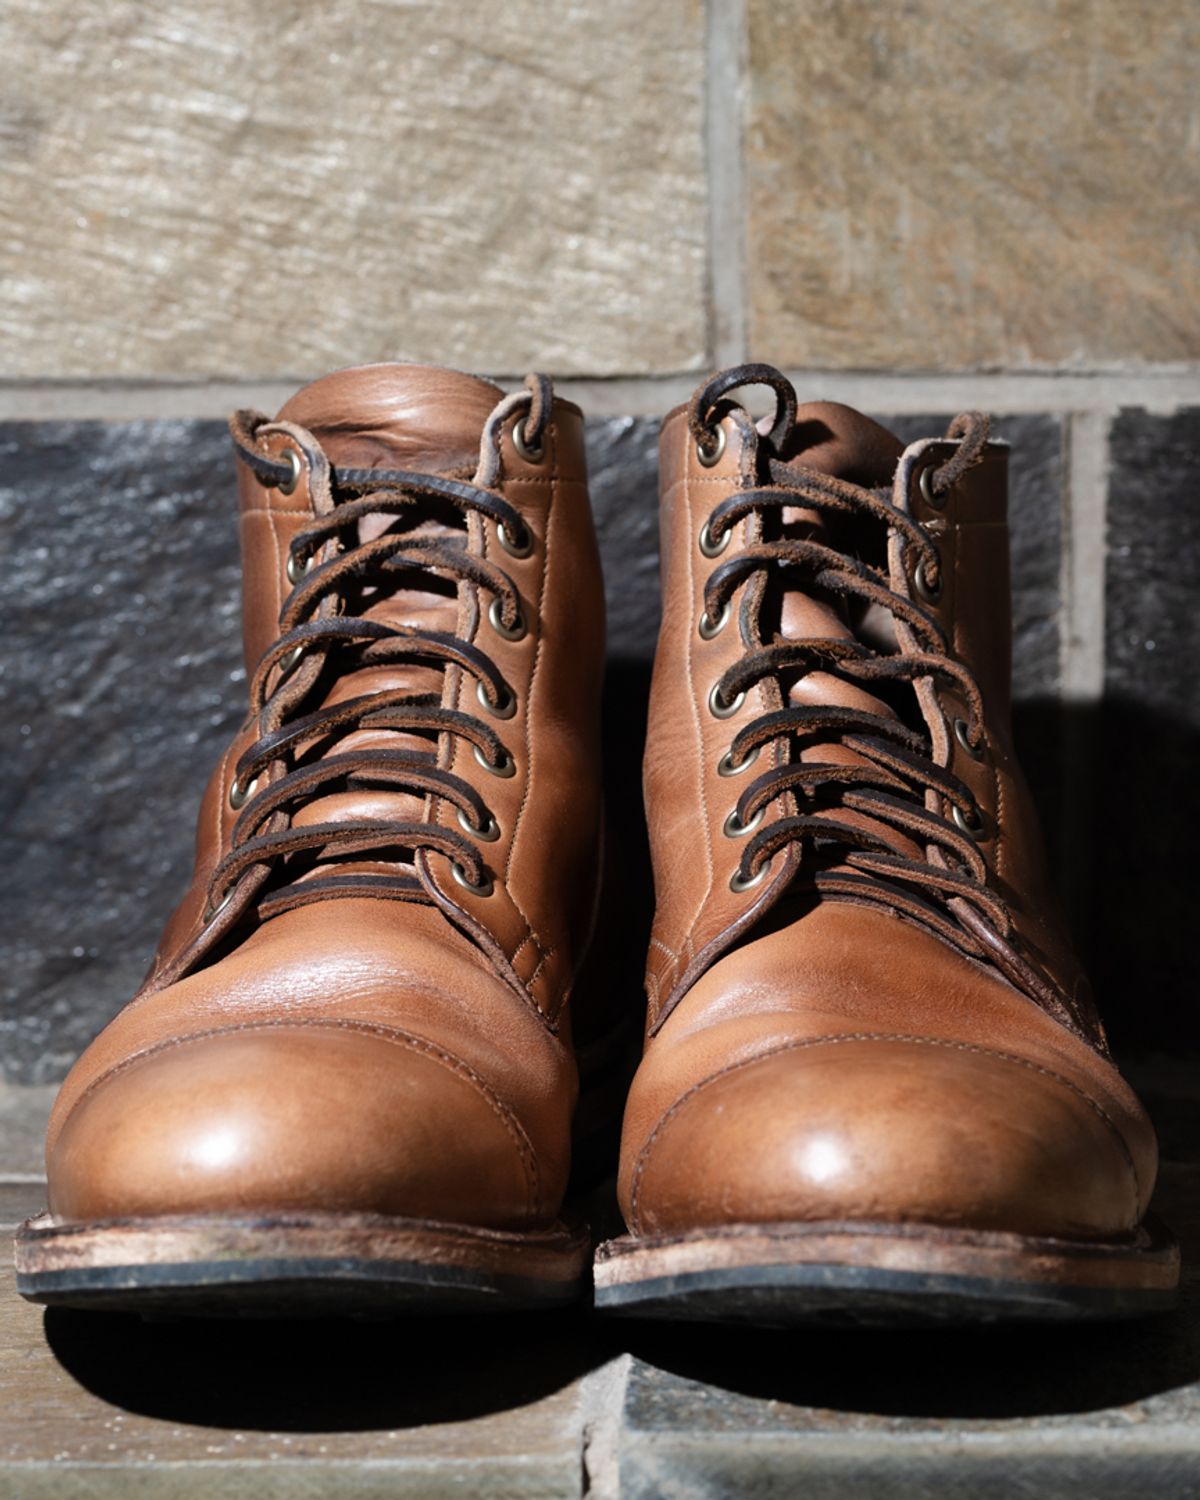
(938, 186)
(94, 1405)
(229, 189)
(24, 1110)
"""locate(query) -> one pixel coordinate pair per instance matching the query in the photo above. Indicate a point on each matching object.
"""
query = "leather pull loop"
(715, 389)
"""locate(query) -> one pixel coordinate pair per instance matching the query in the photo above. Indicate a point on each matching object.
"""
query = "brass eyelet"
(711, 454)
(288, 663)
(239, 795)
(506, 768)
(502, 710)
(520, 546)
(485, 887)
(928, 493)
(531, 454)
(930, 594)
(719, 708)
(972, 825)
(734, 827)
(960, 734)
(290, 457)
(738, 884)
(710, 628)
(516, 633)
(489, 833)
(713, 547)
(726, 766)
(296, 569)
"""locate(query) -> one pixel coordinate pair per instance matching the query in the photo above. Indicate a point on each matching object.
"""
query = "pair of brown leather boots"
(873, 1086)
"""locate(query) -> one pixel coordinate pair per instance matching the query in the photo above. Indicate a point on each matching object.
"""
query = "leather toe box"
(294, 1118)
(895, 1130)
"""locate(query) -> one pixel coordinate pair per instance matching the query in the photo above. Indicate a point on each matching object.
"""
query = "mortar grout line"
(1082, 581)
(1082, 648)
(1160, 389)
(724, 134)
(601, 1409)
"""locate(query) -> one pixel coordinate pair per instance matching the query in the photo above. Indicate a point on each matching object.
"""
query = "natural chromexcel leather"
(406, 1052)
(849, 1056)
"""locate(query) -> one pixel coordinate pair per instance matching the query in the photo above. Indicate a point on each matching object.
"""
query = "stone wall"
(915, 209)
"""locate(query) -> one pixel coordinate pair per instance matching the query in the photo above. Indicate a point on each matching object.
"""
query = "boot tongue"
(837, 440)
(394, 416)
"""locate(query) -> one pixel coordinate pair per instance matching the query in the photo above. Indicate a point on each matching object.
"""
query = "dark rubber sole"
(784, 1276)
(355, 1265)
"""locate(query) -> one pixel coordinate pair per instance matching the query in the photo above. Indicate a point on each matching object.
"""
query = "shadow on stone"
(980, 1373)
(320, 1376)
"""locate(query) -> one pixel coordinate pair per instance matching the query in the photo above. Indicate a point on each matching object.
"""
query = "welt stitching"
(867, 1036)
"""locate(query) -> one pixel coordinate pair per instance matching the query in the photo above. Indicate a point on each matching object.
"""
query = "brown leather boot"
(349, 1078)
(874, 1085)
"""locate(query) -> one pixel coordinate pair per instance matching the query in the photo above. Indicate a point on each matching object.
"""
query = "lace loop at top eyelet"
(711, 453)
(532, 453)
(928, 493)
(287, 485)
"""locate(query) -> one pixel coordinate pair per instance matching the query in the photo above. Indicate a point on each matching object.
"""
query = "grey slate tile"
(119, 680)
(1147, 737)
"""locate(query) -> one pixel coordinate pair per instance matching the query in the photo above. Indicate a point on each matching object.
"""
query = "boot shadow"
(329, 1375)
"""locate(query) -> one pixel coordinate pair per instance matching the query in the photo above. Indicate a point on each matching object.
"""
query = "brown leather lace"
(294, 759)
(948, 889)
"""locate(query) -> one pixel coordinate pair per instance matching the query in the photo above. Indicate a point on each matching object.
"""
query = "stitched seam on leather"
(391, 1034)
(545, 958)
(867, 1036)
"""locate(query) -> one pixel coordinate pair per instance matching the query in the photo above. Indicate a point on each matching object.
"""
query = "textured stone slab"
(242, 190)
(94, 1405)
(1106, 1411)
(121, 682)
(20, 1201)
(947, 188)
(1147, 738)
(24, 1110)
